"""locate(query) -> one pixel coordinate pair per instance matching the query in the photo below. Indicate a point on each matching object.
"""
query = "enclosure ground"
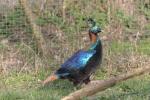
(27, 87)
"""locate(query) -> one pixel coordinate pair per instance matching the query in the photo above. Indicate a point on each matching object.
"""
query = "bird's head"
(93, 28)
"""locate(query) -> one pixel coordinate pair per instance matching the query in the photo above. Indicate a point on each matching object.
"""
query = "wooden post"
(64, 9)
(43, 6)
(35, 29)
(101, 85)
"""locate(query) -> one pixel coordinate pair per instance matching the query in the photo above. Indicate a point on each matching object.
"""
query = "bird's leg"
(87, 80)
(75, 83)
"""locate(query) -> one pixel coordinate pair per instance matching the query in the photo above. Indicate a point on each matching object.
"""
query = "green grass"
(143, 47)
(14, 22)
(133, 89)
(25, 86)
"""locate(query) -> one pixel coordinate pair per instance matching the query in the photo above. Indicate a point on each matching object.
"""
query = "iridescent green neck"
(93, 46)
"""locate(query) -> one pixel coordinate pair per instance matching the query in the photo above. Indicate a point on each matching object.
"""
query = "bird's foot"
(87, 81)
(77, 87)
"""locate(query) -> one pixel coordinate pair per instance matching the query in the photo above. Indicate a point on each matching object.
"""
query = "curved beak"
(51, 78)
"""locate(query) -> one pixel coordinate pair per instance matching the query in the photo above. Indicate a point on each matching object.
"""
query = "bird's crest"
(92, 25)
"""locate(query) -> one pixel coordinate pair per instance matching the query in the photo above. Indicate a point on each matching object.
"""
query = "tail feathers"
(51, 78)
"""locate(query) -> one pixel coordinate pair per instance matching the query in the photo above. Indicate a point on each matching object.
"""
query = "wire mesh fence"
(125, 37)
(60, 22)
(16, 35)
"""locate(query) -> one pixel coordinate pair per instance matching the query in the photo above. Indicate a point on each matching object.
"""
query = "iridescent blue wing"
(78, 60)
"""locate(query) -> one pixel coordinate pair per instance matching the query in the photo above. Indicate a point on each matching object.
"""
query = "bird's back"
(82, 64)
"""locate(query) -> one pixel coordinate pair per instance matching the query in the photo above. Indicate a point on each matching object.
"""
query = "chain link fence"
(60, 22)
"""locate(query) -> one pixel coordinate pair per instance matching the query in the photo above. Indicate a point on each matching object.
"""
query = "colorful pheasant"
(79, 67)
